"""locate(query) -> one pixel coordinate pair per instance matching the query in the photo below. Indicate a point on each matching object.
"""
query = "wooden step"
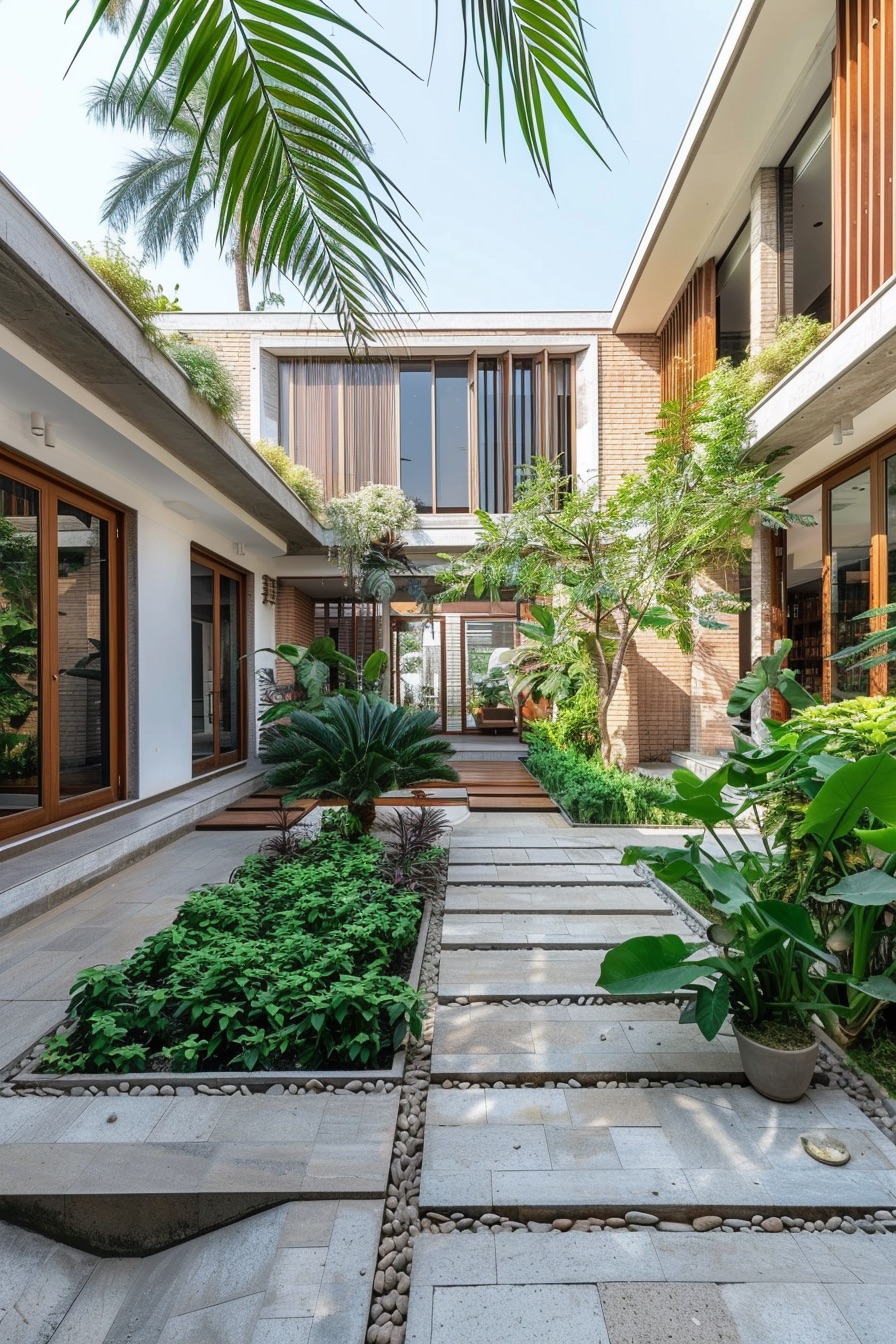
(508, 802)
(270, 820)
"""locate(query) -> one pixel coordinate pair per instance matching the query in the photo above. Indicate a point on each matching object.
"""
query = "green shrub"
(575, 727)
(301, 480)
(208, 375)
(747, 383)
(288, 965)
(125, 278)
(594, 793)
(852, 728)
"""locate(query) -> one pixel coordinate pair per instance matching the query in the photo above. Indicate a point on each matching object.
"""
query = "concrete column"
(771, 256)
(715, 667)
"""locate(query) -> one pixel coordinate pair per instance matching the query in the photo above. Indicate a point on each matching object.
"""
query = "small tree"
(632, 561)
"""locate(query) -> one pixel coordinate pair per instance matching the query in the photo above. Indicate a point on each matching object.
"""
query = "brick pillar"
(715, 667)
(768, 301)
(293, 623)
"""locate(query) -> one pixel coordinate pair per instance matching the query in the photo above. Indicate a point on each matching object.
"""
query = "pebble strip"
(881, 1221)
(401, 1219)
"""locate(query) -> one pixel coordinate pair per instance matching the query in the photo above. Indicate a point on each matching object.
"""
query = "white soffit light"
(184, 509)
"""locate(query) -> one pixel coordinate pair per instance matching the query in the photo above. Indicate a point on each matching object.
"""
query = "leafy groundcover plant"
(594, 793)
(291, 964)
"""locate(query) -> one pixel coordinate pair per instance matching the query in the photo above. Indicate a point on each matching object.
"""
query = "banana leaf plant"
(316, 666)
(774, 959)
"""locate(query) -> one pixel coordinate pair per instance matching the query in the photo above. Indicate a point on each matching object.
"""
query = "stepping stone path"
(555, 1108)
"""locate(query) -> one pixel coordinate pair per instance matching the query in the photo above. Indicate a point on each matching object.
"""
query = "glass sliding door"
(805, 618)
(218, 693)
(61, 650)
(849, 521)
(486, 645)
(418, 664)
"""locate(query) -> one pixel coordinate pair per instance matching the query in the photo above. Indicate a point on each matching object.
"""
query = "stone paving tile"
(675, 1313)
(524, 1315)
(516, 930)
(554, 875)
(790, 1313)
(557, 973)
(606, 899)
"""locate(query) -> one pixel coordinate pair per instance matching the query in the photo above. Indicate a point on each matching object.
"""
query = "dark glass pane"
(202, 598)
(229, 708)
(804, 614)
(560, 414)
(811, 166)
(850, 578)
(83, 651)
(415, 394)
(524, 415)
(452, 436)
(19, 704)
(490, 418)
(733, 301)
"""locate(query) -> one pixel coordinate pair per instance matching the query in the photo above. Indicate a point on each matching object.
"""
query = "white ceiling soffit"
(772, 67)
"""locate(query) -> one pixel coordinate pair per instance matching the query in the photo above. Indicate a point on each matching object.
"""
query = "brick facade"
(293, 623)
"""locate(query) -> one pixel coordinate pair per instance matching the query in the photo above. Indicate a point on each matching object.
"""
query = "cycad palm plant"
(356, 751)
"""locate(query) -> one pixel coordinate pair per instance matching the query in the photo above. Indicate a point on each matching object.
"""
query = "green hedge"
(594, 793)
(288, 965)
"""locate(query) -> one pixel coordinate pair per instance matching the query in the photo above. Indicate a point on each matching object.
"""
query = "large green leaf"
(880, 837)
(294, 176)
(794, 920)
(649, 965)
(711, 1006)
(867, 784)
(877, 987)
(769, 674)
(871, 887)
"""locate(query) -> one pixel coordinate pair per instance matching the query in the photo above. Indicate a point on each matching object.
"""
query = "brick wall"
(232, 348)
(715, 668)
(628, 400)
(293, 623)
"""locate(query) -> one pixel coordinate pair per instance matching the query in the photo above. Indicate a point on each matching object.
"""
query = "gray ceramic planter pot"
(780, 1075)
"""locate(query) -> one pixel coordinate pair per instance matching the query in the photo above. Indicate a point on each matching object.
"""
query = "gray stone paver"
(603, 899)
(554, 930)
(298, 1272)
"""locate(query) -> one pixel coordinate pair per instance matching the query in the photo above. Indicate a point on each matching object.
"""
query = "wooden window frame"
(53, 487)
(219, 760)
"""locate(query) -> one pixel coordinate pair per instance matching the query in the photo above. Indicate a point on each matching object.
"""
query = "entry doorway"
(61, 650)
(218, 666)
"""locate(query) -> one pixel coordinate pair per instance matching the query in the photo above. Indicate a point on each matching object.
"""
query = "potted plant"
(491, 702)
(771, 965)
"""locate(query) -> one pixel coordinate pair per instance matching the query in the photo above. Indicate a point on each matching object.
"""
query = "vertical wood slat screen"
(862, 148)
(688, 338)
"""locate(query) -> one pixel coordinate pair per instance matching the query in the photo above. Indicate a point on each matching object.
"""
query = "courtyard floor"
(541, 1176)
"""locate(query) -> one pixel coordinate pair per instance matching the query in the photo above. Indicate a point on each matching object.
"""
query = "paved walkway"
(530, 1126)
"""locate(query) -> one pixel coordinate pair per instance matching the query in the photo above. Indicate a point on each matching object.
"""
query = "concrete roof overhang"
(772, 68)
(55, 304)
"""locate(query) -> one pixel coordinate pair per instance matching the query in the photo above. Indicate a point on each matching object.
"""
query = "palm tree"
(294, 173)
(156, 191)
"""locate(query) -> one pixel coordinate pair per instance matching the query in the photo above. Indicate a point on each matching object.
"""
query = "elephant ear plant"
(828, 952)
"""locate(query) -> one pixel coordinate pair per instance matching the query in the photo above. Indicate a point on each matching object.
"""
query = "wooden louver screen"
(862, 149)
(688, 338)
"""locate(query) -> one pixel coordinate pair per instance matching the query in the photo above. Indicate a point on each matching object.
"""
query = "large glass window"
(524, 416)
(809, 167)
(490, 415)
(560, 414)
(60, 650)
(733, 299)
(805, 562)
(415, 391)
(452, 409)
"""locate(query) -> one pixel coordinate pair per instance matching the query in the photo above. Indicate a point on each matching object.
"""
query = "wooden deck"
(502, 786)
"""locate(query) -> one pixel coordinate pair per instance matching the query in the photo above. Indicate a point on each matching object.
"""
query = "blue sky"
(494, 236)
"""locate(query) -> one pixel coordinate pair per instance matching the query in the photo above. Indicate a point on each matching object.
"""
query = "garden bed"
(608, 795)
(299, 970)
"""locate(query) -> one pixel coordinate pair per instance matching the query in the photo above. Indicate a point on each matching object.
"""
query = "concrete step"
(526, 1043)
(530, 974)
(298, 1272)
(542, 875)
(130, 1174)
(596, 899)
(638, 1289)
(552, 930)
(676, 1152)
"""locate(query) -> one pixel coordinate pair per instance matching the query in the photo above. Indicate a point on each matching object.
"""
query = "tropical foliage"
(211, 380)
(320, 670)
(827, 948)
(295, 179)
(355, 751)
(637, 559)
(591, 792)
(301, 480)
(746, 383)
(288, 965)
(553, 661)
(367, 529)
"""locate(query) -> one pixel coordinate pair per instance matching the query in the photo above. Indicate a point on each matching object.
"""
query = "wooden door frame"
(218, 760)
(53, 488)
(464, 618)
